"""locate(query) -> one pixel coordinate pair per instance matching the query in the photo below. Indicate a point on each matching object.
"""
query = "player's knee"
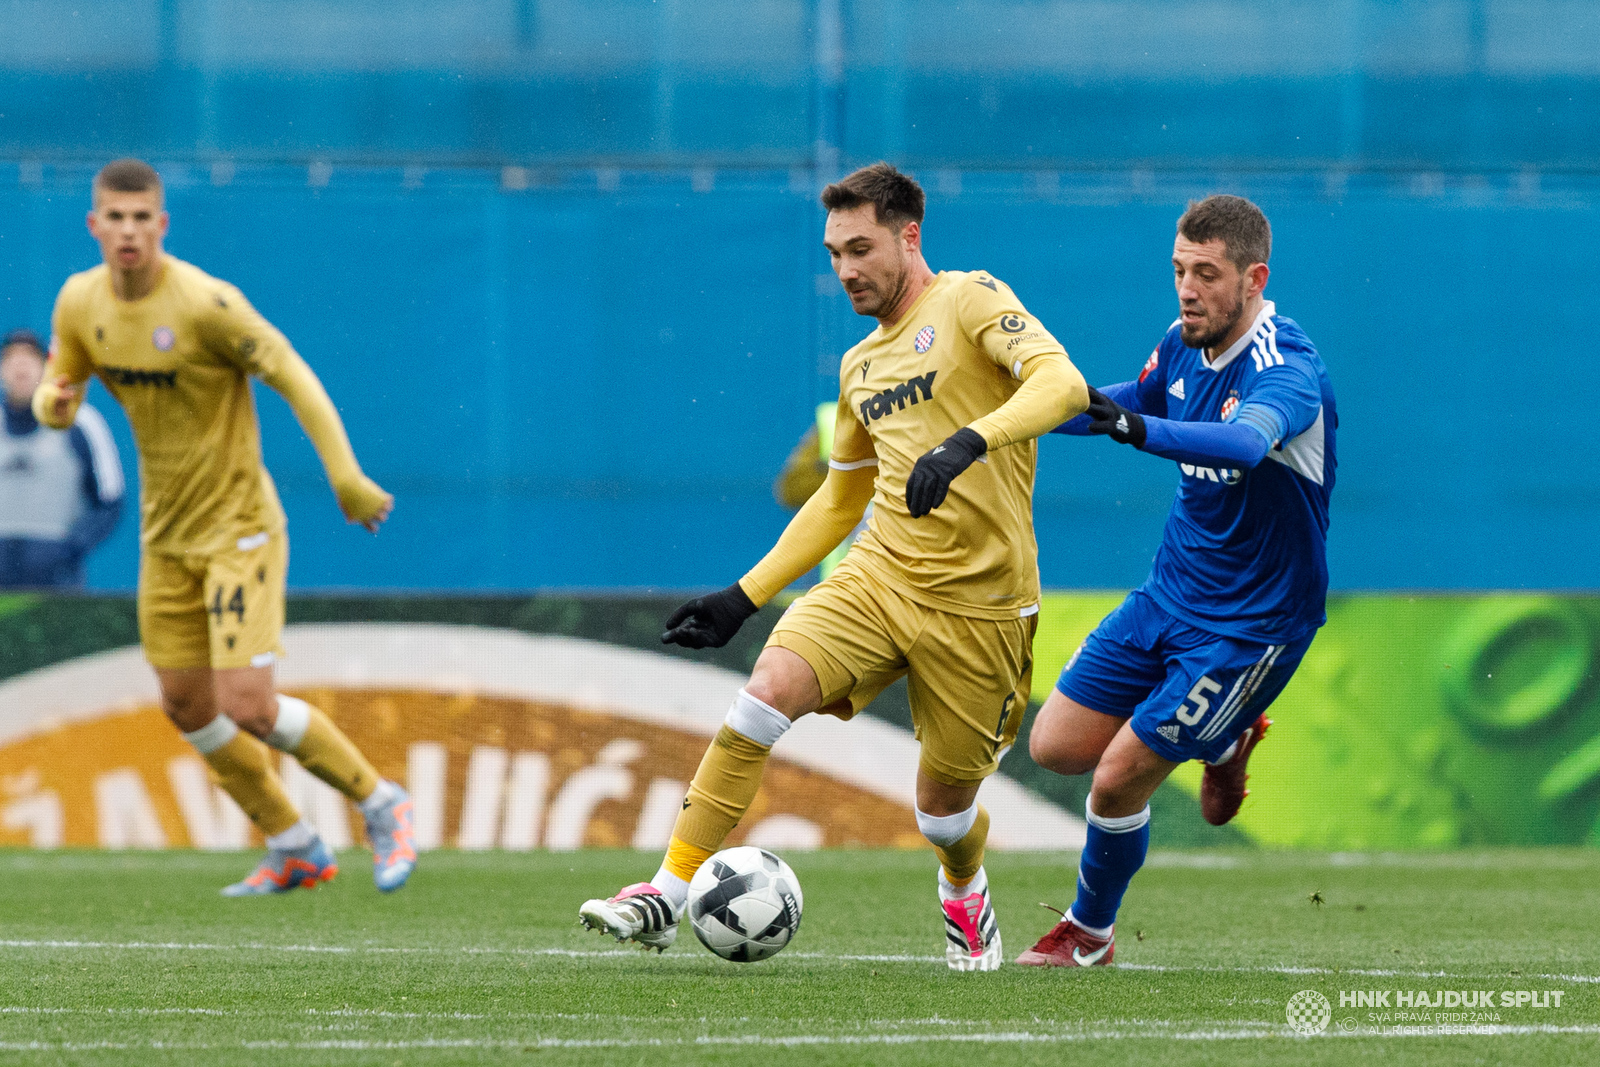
(189, 709)
(1115, 791)
(1057, 753)
(784, 681)
(254, 715)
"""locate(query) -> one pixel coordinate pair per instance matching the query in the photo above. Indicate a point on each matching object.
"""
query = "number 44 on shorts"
(1200, 696)
(235, 604)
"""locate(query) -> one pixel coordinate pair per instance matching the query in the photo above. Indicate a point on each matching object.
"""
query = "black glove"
(709, 621)
(931, 477)
(1109, 417)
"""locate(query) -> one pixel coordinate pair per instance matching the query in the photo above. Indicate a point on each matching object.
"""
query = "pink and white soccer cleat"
(639, 912)
(971, 931)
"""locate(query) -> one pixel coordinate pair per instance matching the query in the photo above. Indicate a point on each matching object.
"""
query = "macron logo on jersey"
(1176, 389)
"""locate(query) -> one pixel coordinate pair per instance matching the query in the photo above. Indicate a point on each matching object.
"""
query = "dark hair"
(896, 198)
(25, 338)
(1240, 225)
(127, 176)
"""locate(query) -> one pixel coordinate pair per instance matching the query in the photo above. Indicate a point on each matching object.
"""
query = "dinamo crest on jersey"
(1229, 406)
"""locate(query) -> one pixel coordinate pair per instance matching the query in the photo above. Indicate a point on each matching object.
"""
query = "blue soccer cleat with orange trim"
(394, 848)
(286, 869)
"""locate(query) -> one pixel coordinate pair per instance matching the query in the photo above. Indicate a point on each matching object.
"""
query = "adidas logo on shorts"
(1169, 731)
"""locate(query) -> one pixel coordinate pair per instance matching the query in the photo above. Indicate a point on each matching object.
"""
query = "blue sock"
(1113, 852)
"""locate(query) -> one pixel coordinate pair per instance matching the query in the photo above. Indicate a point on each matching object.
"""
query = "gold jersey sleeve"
(967, 353)
(179, 361)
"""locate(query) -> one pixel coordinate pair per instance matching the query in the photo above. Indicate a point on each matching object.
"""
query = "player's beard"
(1213, 335)
(889, 292)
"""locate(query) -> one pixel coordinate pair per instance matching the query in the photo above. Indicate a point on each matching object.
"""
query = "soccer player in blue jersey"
(1187, 665)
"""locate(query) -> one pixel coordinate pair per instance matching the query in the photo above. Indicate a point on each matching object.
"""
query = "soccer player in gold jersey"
(938, 412)
(177, 348)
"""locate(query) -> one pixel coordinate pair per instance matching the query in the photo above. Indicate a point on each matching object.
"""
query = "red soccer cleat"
(1222, 789)
(1069, 945)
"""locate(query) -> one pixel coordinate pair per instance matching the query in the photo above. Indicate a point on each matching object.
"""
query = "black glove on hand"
(709, 621)
(931, 477)
(1109, 417)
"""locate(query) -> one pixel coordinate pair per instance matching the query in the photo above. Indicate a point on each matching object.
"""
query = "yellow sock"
(722, 790)
(683, 859)
(243, 768)
(962, 859)
(326, 752)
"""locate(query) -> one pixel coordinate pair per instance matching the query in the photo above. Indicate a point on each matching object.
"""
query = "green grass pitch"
(133, 959)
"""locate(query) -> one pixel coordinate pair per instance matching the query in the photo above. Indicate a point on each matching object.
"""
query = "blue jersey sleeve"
(1209, 444)
(1285, 394)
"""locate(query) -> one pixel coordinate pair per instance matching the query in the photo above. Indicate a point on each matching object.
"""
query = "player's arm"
(239, 333)
(55, 402)
(1052, 390)
(821, 523)
(1146, 394)
(1283, 403)
(1123, 393)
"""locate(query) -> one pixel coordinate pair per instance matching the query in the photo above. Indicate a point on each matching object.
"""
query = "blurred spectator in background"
(60, 490)
(804, 471)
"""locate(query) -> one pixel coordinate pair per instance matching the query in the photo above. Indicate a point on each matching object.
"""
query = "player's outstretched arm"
(1124, 393)
(237, 332)
(360, 498)
(1242, 443)
(821, 523)
(55, 402)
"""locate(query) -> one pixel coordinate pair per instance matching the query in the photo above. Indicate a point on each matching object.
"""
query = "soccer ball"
(744, 904)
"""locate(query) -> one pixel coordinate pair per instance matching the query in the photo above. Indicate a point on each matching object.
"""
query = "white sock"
(213, 735)
(1097, 931)
(1226, 756)
(297, 836)
(948, 890)
(294, 718)
(672, 887)
(381, 797)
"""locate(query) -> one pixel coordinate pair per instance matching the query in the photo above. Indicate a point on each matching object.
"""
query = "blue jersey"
(1244, 553)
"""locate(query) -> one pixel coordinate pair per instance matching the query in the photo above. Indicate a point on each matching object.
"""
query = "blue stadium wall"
(559, 263)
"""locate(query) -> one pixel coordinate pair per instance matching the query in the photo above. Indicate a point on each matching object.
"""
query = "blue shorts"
(1188, 693)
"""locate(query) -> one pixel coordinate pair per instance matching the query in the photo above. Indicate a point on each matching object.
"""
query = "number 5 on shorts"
(1201, 695)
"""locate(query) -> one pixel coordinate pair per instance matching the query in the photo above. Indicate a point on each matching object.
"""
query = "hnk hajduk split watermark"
(1413, 1011)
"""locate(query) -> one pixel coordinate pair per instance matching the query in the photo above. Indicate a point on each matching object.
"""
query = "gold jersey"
(179, 361)
(959, 353)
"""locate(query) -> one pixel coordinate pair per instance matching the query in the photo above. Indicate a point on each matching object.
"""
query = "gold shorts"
(220, 610)
(969, 678)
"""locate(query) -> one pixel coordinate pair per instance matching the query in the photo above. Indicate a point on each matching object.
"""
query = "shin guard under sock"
(306, 733)
(242, 767)
(963, 859)
(1113, 850)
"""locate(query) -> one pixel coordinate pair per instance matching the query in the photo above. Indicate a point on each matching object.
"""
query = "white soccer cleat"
(971, 931)
(640, 913)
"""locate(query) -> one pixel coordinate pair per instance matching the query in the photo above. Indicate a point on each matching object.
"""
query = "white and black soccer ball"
(744, 904)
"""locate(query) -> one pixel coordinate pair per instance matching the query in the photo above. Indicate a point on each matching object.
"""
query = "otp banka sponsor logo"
(1225, 475)
(896, 397)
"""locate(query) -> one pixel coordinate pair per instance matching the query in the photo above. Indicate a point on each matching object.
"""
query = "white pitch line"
(630, 953)
(1280, 1033)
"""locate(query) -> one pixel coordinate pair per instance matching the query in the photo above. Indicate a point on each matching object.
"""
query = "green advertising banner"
(1415, 721)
